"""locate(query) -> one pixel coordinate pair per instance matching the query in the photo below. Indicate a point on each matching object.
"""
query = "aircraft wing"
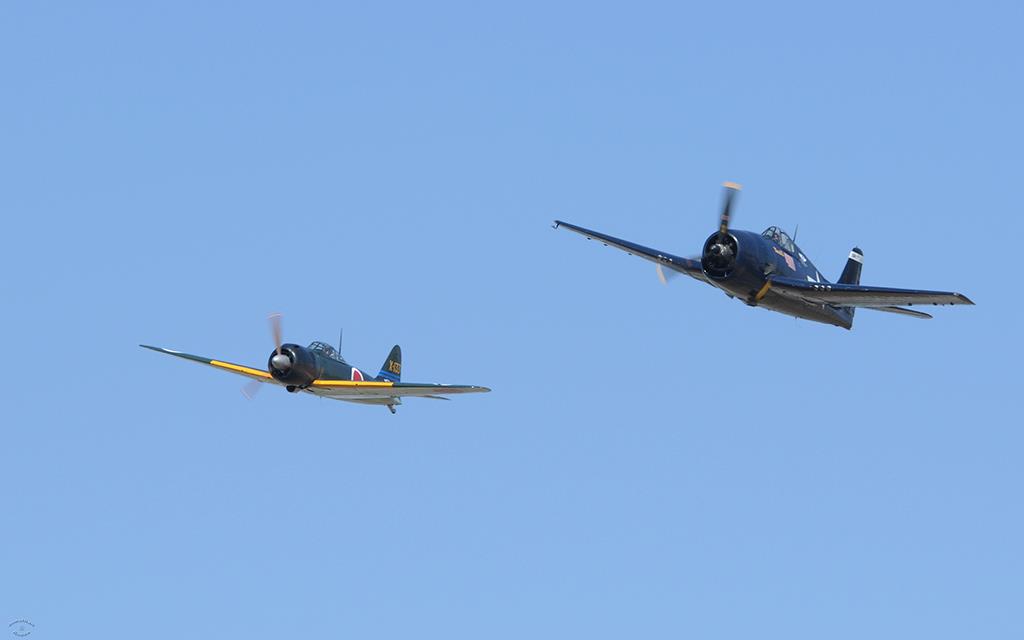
(346, 389)
(855, 295)
(688, 266)
(249, 372)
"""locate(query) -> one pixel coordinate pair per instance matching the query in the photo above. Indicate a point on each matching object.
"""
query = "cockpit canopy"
(781, 238)
(326, 350)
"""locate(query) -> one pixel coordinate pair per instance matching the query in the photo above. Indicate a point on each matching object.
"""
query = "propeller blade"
(731, 189)
(275, 330)
(664, 275)
(251, 388)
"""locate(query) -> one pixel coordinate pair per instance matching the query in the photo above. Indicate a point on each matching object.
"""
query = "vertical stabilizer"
(851, 273)
(391, 370)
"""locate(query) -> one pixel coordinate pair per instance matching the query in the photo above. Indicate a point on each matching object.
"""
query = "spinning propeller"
(665, 276)
(731, 189)
(720, 249)
(280, 360)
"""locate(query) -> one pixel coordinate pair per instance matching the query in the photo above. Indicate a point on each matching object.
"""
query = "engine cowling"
(294, 366)
(718, 260)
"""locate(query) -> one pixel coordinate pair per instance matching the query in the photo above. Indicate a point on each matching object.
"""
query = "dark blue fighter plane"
(768, 270)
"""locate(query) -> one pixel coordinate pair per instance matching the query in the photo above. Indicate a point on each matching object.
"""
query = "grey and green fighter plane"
(320, 370)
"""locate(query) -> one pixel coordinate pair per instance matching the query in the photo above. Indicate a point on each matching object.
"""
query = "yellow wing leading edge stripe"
(249, 371)
(316, 383)
(350, 383)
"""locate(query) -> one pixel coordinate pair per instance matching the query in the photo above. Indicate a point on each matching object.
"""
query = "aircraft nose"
(281, 362)
(721, 250)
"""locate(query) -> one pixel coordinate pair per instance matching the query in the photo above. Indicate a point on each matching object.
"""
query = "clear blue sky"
(654, 461)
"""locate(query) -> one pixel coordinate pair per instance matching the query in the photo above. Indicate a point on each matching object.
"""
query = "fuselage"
(756, 256)
(318, 361)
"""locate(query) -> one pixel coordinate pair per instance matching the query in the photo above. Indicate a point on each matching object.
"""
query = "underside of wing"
(665, 260)
(907, 312)
(855, 295)
(242, 370)
(344, 389)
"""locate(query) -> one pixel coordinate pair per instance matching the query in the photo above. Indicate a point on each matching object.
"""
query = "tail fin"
(391, 370)
(851, 273)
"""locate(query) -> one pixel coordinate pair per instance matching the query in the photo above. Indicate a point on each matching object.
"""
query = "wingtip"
(158, 349)
(556, 224)
(735, 186)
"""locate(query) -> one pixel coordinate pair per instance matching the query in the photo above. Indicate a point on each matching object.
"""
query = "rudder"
(391, 370)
